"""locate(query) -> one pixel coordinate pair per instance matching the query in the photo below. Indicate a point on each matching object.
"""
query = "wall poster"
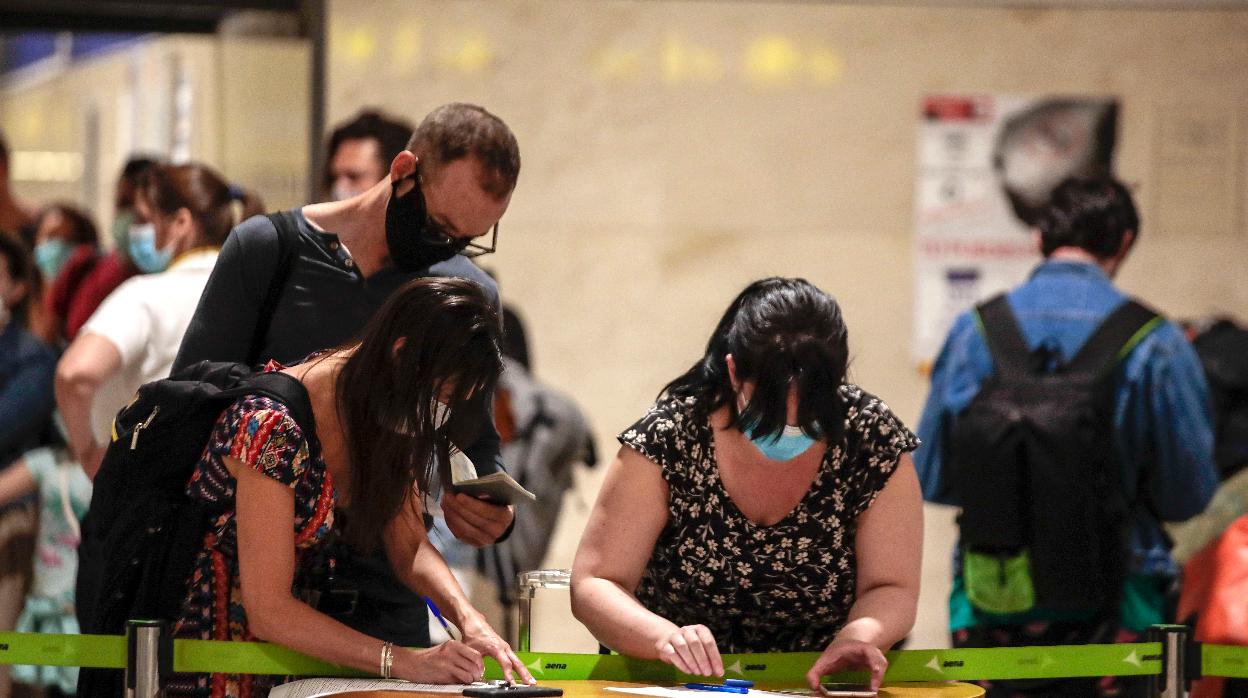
(986, 166)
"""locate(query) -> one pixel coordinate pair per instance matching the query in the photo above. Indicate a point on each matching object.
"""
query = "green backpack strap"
(1115, 338)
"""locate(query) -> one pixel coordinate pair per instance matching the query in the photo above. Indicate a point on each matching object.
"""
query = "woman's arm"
(16, 481)
(420, 566)
(626, 521)
(889, 549)
(266, 560)
(87, 363)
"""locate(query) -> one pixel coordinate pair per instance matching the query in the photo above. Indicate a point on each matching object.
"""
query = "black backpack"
(1045, 516)
(1223, 352)
(142, 533)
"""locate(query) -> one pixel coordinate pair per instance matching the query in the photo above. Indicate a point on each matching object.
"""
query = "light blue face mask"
(50, 256)
(143, 252)
(789, 444)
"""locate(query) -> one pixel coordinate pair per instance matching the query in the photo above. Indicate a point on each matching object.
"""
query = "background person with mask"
(134, 335)
(66, 248)
(451, 185)
(360, 152)
(105, 273)
(26, 369)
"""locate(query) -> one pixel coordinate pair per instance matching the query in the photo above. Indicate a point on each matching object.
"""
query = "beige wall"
(674, 151)
(245, 112)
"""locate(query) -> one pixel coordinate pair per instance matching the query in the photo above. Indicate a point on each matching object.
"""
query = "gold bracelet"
(387, 659)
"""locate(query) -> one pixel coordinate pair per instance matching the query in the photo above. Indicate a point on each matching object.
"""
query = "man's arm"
(26, 399)
(225, 320)
(1165, 425)
(936, 422)
(472, 520)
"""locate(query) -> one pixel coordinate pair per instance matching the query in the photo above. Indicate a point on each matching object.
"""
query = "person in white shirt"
(134, 335)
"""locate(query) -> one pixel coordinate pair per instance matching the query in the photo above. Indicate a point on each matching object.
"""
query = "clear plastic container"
(545, 622)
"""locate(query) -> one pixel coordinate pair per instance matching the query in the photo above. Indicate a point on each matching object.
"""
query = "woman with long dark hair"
(383, 407)
(763, 504)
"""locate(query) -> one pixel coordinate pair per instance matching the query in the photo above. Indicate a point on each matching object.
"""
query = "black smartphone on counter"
(516, 690)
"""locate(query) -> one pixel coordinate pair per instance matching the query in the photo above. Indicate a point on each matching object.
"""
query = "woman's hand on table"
(691, 649)
(481, 637)
(449, 662)
(848, 655)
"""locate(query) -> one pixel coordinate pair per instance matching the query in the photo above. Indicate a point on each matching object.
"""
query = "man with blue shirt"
(1162, 438)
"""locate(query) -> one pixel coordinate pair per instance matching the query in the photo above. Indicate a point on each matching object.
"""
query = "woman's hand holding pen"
(691, 649)
(449, 662)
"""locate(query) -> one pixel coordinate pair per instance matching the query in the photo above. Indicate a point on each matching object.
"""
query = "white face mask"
(440, 412)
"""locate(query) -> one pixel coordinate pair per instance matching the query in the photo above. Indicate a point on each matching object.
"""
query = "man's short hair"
(1092, 214)
(458, 130)
(390, 133)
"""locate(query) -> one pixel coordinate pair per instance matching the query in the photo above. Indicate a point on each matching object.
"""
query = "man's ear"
(1128, 240)
(403, 165)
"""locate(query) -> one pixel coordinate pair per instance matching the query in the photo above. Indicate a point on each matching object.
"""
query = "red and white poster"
(986, 166)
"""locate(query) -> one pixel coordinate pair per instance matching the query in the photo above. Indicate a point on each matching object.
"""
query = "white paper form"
(314, 688)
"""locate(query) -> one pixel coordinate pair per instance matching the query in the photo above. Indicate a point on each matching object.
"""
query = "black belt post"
(149, 658)
(1173, 680)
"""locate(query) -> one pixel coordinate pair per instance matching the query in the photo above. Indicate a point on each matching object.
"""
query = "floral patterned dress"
(786, 587)
(260, 433)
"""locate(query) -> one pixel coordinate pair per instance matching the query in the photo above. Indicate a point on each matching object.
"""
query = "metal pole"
(315, 21)
(148, 658)
(1172, 683)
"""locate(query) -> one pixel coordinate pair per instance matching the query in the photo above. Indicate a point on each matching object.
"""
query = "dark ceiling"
(129, 15)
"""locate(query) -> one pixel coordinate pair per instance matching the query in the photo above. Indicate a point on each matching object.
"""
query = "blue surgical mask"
(143, 252)
(789, 444)
(50, 256)
(121, 229)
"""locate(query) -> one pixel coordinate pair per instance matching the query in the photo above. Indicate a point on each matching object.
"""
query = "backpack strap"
(1116, 336)
(1004, 337)
(291, 393)
(287, 243)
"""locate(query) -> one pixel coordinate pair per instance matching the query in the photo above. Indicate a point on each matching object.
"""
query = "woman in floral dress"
(359, 475)
(762, 504)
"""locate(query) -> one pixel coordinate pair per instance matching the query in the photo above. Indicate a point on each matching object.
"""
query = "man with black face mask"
(286, 294)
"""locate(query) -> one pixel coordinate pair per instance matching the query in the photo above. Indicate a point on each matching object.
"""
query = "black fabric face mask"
(413, 245)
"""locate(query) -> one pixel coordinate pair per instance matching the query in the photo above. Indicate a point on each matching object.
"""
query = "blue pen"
(740, 683)
(718, 687)
(438, 614)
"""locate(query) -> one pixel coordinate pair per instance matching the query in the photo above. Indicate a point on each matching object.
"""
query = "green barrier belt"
(1224, 660)
(910, 665)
